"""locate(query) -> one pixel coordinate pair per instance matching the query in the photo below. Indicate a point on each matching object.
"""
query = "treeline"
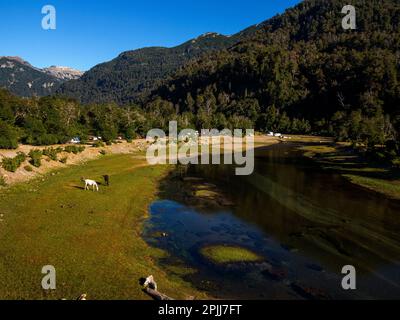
(55, 120)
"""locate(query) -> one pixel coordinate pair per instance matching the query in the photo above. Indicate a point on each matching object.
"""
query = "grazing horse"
(90, 183)
(107, 180)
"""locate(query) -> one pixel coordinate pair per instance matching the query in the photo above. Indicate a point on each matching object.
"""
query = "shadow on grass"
(346, 160)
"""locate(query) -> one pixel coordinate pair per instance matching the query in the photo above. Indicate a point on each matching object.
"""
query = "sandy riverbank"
(90, 153)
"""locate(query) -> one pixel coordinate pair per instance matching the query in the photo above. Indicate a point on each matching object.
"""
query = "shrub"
(51, 153)
(64, 160)
(69, 149)
(74, 149)
(28, 168)
(9, 164)
(396, 163)
(8, 136)
(36, 158)
(12, 164)
(2, 182)
(21, 157)
(109, 133)
(45, 140)
(98, 144)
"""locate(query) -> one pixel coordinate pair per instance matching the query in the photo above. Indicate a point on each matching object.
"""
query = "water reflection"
(307, 224)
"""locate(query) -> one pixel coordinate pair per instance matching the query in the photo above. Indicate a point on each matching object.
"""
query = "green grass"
(312, 151)
(2, 181)
(355, 168)
(92, 239)
(220, 254)
(389, 188)
(12, 164)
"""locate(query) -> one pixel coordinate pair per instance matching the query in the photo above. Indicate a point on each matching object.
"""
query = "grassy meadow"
(340, 158)
(92, 239)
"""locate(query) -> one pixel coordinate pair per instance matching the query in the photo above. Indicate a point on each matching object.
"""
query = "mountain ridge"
(297, 73)
(134, 73)
(63, 73)
(124, 79)
(23, 79)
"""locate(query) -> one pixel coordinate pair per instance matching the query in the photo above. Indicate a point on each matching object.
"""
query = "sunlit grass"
(356, 169)
(92, 239)
(389, 188)
(220, 254)
(312, 151)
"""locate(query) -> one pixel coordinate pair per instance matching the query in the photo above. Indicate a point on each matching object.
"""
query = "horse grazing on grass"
(107, 180)
(90, 183)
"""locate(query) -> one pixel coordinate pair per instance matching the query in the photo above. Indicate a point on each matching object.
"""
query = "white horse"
(90, 183)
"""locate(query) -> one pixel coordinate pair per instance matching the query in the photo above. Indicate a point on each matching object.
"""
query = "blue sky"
(93, 31)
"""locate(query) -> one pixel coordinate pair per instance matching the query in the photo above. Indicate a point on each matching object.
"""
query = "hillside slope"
(302, 65)
(24, 80)
(132, 73)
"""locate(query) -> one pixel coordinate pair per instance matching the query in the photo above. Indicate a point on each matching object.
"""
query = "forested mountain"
(132, 73)
(23, 79)
(301, 72)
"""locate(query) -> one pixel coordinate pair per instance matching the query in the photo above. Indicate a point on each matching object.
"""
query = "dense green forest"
(303, 73)
(53, 120)
(134, 73)
(299, 72)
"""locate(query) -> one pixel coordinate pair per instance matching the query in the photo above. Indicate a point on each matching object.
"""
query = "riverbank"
(92, 239)
(341, 158)
(305, 222)
(90, 153)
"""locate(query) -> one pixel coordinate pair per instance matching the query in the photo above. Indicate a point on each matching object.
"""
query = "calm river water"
(305, 222)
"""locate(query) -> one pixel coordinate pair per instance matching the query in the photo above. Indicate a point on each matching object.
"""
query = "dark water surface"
(305, 222)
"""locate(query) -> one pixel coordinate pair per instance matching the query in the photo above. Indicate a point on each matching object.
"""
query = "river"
(305, 222)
